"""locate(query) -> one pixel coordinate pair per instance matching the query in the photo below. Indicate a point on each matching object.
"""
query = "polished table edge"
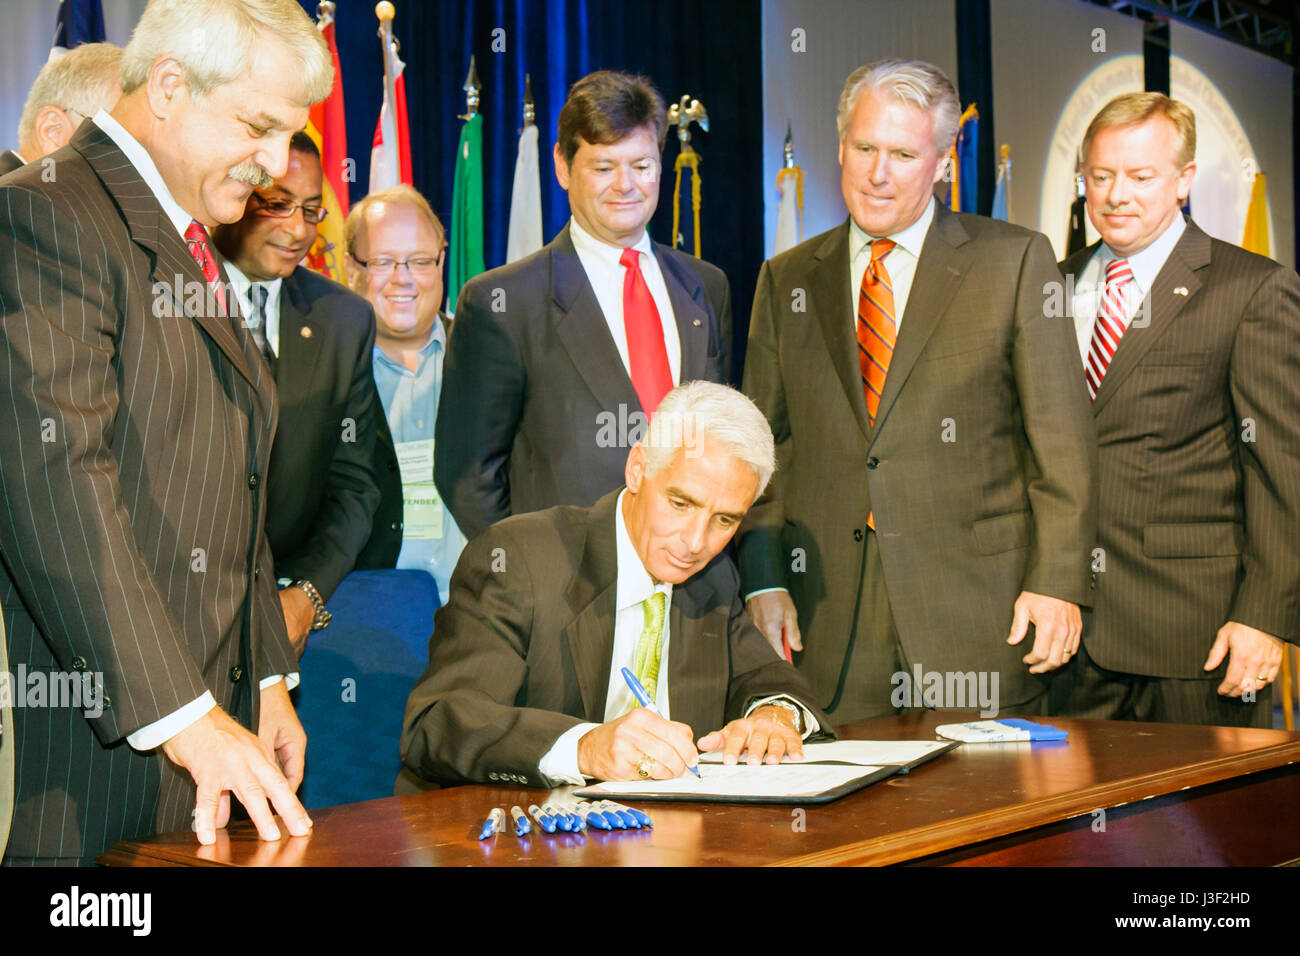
(1003, 821)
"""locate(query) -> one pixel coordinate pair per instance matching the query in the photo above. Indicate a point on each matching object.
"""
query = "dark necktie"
(258, 324)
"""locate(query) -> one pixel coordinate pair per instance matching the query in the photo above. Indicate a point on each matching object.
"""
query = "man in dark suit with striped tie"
(317, 337)
(1191, 351)
(132, 470)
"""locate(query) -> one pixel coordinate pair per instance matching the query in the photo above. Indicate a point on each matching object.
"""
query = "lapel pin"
(697, 323)
(305, 332)
(1181, 290)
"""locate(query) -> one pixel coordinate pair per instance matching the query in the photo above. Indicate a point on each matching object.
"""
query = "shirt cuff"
(810, 724)
(160, 731)
(763, 591)
(290, 680)
(560, 763)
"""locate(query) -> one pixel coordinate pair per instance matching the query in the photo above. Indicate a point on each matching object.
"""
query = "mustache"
(251, 173)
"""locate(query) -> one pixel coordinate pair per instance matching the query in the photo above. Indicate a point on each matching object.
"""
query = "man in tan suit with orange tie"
(935, 489)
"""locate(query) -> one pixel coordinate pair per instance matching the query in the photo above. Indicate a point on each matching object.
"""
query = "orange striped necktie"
(877, 331)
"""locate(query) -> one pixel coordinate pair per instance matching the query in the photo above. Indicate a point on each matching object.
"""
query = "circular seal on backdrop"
(1120, 74)
(1225, 160)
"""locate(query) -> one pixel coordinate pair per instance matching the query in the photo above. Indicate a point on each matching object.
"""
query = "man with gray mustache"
(132, 477)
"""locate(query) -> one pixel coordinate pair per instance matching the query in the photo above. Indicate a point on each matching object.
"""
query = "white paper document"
(741, 781)
(862, 753)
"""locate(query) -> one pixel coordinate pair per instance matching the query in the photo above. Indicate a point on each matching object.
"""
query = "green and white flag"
(466, 211)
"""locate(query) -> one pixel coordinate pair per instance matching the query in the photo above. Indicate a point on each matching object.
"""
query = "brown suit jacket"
(1198, 427)
(980, 469)
(522, 650)
(132, 473)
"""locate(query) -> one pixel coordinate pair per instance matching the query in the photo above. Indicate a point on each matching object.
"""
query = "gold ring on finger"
(645, 766)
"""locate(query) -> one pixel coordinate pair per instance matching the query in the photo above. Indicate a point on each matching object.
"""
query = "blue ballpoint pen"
(644, 700)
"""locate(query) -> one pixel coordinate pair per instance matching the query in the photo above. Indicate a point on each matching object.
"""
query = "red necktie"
(877, 332)
(646, 354)
(1110, 324)
(196, 239)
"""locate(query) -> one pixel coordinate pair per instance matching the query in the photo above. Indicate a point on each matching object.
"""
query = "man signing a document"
(525, 683)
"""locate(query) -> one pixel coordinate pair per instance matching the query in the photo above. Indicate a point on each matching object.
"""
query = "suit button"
(392, 466)
(253, 481)
(872, 462)
(396, 526)
(236, 673)
(257, 573)
(857, 534)
(78, 663)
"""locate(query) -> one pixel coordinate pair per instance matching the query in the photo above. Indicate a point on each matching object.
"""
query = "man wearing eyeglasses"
(317, 338)
(397, 248)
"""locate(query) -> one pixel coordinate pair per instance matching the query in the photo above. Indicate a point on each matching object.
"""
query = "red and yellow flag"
(327, 127)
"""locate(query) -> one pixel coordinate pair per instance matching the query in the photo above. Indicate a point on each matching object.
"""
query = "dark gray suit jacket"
(533, 380)
(132, 471)
(1198, 426)
(518, 656)
(323, 490)
(981, 468)
(9, 161)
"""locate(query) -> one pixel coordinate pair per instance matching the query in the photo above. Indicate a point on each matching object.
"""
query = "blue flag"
(968, 138)
(80, 21)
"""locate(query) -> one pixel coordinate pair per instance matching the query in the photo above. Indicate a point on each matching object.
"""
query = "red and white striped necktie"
(1112, 317)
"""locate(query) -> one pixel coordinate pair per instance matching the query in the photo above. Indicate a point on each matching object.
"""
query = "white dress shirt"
(243, 287)
(160, 731)
(600, 261)
(633, 586)
(900, 262)
(1091, 282)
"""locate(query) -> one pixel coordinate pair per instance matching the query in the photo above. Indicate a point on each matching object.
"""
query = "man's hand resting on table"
(766, 735)
(224, 758)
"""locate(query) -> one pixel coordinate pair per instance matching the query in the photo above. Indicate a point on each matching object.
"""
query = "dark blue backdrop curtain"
(711, 51)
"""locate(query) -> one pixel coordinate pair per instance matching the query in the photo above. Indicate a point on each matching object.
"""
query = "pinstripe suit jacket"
(1198, 430)
(139, 426)
(980, 469)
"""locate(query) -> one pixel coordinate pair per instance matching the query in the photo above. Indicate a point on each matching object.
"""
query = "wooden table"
(1171, 795)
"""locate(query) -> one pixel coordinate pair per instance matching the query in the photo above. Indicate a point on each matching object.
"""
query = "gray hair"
(82, 80)
(213, 40)
(916, 83)
(695, 409)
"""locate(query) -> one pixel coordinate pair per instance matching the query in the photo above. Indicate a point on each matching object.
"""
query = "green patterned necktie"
(646, 663)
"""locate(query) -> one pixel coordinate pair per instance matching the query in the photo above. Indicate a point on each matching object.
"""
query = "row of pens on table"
(549, 818)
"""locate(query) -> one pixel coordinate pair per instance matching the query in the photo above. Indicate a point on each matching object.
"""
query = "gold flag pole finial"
(682, 114)
(324, 13)
(530, 114)
(471, 88)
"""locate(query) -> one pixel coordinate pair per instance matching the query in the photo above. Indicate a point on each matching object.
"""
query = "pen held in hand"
(644, 700)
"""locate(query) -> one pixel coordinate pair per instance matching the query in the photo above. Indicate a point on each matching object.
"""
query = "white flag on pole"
(525, 233)
(787, 215)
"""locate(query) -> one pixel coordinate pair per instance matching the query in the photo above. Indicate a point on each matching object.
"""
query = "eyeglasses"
(421, 264)
(283, 209)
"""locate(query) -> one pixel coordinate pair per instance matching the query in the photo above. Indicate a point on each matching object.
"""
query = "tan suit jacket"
(980, 469)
